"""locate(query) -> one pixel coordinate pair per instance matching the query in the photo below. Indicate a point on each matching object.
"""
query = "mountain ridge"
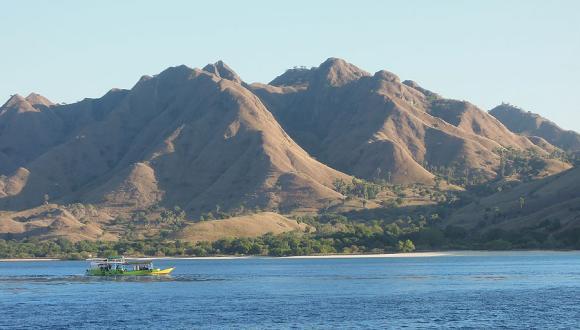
(407, 123)
(534, 125)
(132, 151)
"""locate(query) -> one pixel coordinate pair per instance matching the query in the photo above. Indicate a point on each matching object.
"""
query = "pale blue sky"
(523, 52)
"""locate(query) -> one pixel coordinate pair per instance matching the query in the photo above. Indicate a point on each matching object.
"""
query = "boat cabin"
(140, 264)
(120, 264)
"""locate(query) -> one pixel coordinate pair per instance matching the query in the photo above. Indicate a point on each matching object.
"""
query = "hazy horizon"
(522, 52)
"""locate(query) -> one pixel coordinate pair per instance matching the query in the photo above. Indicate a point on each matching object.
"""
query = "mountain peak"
(296, 76)
(508, 107)
(331, 61)
(18, 104)
(333, 72)
(222, 70)
(338, 72)
(388, 76)
(173, 73)
(37, 99)
(513, 115)
(14, 100)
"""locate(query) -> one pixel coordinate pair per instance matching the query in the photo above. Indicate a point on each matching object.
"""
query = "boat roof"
(120, 260)
(139, 261)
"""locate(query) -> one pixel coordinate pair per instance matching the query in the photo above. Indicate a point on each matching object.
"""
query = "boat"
(119, 266)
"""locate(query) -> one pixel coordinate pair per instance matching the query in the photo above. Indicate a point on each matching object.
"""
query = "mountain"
(187, 137)
(377, 127)
(534, 125)
(206, 142)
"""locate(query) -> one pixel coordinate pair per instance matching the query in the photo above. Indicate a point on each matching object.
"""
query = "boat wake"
(66, 279)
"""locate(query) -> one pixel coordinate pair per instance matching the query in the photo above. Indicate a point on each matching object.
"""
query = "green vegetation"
(406, 246)
(457, 173)
(357, 188)
(522, 164)
(525, 164)
(334, 234)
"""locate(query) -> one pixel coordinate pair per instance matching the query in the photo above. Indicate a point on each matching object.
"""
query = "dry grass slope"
(49, 222)
(243, 226)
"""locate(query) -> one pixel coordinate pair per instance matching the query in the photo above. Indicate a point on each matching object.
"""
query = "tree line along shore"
(332, 234)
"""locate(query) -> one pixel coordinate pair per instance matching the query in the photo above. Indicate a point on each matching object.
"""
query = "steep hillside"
(31, 126)
(555, 199)
(185, 137)
(375, 127)
(534, 125)
(28, 127)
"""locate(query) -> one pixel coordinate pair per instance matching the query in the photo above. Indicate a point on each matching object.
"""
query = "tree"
(437, 182)
(175, 217)
(393, 229)
(501, 163)
(377, 173)
(406, 246)
(435, 217)
(340, 186)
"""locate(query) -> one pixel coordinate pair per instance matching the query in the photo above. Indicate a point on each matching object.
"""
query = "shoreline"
(430, 254)
(378, 255)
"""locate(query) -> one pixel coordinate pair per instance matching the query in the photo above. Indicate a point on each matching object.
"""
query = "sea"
(473, 290)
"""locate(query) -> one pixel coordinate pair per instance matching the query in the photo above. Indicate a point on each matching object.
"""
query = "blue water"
(515, 290)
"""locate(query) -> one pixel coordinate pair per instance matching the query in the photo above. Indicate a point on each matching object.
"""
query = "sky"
(526, 53)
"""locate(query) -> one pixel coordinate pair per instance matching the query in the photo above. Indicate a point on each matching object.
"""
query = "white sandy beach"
(465, 253)
(380, 255)
(328, 256)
